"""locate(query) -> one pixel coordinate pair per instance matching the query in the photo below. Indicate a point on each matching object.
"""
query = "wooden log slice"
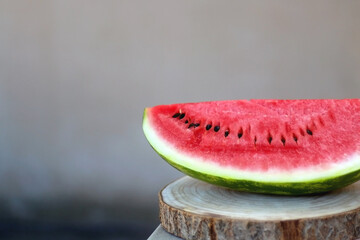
(193, 209)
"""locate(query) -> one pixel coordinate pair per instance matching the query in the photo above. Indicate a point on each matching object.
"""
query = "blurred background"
(75, 77)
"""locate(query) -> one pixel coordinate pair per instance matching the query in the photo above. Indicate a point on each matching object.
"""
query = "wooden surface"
(192, 209)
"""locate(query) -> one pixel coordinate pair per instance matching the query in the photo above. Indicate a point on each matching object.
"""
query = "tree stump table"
(193, 209)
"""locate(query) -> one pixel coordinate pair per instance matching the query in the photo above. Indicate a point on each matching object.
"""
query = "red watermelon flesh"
(270, 146)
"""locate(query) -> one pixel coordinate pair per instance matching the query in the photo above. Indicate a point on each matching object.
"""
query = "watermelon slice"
(287, 147)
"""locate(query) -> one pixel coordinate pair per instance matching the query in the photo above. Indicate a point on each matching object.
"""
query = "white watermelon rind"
(297, 182)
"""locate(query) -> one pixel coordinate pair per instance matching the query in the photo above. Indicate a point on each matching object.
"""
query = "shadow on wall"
(74, 219)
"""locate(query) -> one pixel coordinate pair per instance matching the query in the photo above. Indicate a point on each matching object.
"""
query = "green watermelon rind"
(310, 183)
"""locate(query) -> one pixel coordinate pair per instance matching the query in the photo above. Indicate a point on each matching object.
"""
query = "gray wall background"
(75, 77)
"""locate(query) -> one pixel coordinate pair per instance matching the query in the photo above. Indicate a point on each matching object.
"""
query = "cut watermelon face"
(289, 147)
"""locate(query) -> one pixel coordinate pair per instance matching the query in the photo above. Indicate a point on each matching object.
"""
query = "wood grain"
(193, 209)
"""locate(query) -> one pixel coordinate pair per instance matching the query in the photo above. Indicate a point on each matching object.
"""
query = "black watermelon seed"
(186, 121)
(283, 140)
(191, 125)
(269, 139)
(216, 128)
(208, 127)
(226, 133)
(176, 115)
(295, 138)
(182, 116)
(308, 131)
(196, 125)
(240, 134)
